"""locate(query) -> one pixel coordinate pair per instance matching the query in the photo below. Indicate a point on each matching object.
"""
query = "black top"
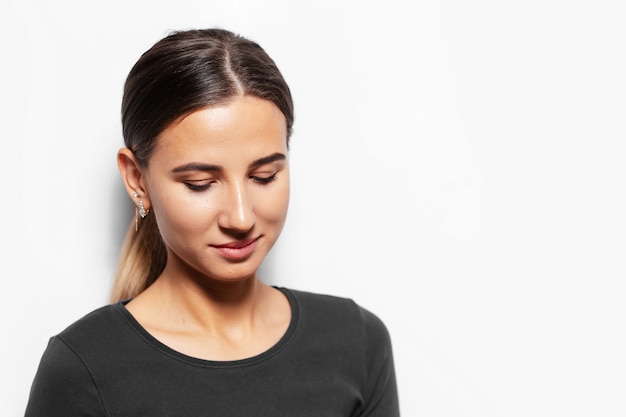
(335, 359)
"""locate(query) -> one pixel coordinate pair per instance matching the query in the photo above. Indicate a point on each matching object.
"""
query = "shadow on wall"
(267, 270)
(123, 218)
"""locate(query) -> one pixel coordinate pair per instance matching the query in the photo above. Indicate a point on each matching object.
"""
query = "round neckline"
(172, 353)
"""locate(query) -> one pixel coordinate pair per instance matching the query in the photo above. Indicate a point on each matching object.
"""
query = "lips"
(237, 250)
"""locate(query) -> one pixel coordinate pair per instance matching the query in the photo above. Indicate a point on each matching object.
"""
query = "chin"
(236, 273)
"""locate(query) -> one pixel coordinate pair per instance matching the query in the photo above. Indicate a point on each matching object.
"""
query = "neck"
(212, 319)
(211, 304)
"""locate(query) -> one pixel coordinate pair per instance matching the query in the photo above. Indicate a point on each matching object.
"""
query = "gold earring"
(139, 211)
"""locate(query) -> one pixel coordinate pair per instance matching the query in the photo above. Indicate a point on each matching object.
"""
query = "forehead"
(243, 127)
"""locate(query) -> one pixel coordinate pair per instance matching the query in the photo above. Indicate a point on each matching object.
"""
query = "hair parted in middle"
(184, 72)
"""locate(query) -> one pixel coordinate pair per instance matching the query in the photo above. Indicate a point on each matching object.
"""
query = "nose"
(237, 213)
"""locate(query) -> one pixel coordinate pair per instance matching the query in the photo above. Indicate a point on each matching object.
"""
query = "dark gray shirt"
(334, 360)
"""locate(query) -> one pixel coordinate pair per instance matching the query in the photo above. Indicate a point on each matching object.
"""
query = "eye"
(262, 179)
(198, 186)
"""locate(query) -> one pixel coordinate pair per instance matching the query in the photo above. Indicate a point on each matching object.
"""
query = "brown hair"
(184, 72)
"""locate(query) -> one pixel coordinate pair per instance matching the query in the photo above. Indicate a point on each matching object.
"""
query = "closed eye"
(198, 185)
(263, 180)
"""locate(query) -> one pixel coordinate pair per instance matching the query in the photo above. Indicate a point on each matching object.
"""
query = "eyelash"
(264, 180)
(204, 187)
(198, 188)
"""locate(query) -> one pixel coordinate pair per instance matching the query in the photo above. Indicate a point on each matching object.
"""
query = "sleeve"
(381, 392)
(63, 386)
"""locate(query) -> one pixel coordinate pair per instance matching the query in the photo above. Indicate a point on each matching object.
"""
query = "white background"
(458, 168)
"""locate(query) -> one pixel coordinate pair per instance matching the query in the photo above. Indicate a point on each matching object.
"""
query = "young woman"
(192, 330)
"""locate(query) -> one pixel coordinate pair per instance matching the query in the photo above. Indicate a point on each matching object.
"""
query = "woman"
(192, 330)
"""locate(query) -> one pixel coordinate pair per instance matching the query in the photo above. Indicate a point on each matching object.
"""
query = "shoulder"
(100, 335)
(323, 306)
(88, 327)
(317, 300)
(341, 313)
(332, 304)
(64, 383)
(94, 317)
(60, 376)
(96, 326)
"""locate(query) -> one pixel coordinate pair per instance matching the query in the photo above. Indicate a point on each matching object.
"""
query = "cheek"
(179, 214)
(272, 207)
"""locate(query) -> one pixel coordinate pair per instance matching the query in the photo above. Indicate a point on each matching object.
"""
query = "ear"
(132, 175)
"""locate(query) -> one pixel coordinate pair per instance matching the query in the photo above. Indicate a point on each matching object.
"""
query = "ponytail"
(142, 259)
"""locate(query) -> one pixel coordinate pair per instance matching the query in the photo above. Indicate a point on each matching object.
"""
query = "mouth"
(237, 250)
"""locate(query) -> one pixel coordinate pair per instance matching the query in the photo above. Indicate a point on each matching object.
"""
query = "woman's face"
(218, 183)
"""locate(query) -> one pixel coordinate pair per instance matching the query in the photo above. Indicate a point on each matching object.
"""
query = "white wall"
(458, 168)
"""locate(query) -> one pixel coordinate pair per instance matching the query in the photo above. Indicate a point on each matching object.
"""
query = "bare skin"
(218, 184)
(210, 327)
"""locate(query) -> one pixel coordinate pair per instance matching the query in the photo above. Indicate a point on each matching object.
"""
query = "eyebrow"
(268, 159)
(198, 166)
